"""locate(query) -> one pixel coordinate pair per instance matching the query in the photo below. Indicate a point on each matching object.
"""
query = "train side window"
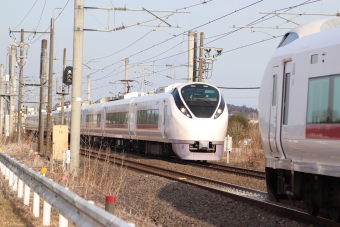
(286, 99)
(274, 90)
(314, 59)
(318, 96)
(336, 100)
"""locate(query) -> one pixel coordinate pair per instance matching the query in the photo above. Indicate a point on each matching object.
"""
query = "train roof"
(309, 29)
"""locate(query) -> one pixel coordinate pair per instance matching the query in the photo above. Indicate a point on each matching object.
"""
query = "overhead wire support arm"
(157, 17)
(141, 10)
(132, 25)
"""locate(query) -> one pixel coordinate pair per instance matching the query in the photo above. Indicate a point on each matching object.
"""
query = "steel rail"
(232, 169)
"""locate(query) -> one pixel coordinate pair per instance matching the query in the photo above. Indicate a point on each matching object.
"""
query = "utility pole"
(11, 87)
(126, 75)
(190, 55)
(88, 88)
(78, 38)
(2, 81)
(63, 91)
(21, 76)
(50, 88)
(200, 70)
(42, 109)
(194, 77)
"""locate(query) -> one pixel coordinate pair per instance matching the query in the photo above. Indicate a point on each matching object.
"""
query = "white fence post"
(27, 195)
(36, 205)
(6, 173)
(10, 178)
(63, 222)
(20, 189)
(15, 182)
(228, 141)
(46, 214)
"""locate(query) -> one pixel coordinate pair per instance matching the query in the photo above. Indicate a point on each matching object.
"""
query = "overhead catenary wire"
(54, 21)
(26, 14)
(225, 34)
(178, 35)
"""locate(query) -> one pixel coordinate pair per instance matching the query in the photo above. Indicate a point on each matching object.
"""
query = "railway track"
(232, 169)
(213, 166)
(250, 196)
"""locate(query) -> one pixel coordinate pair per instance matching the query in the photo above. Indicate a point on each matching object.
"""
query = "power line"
(26, 15)
(124, 47)
(42, 12)
(54, 21)
(175, 36)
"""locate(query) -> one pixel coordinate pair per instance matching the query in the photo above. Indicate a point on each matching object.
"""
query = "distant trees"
(247, 112)
(238, 128)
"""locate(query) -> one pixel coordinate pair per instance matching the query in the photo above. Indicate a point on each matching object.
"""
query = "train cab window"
(288, 38)
(274, 90)
(314, 59)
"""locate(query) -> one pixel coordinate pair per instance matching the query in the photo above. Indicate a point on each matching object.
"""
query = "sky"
(155, 48)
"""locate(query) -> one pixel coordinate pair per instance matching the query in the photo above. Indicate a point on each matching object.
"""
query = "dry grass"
(95, 180)
(250, 156)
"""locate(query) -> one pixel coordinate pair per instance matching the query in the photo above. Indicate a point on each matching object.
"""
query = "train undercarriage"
(316, 191)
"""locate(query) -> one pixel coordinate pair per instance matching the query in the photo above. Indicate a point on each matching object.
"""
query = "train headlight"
(218, 113)
(185, 112)
(220, 108)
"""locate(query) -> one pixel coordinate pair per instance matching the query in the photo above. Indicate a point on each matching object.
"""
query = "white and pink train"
(299, 106)
(186, 120)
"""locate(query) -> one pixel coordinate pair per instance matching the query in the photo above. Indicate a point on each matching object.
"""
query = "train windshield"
(288, 38)
(201, 99)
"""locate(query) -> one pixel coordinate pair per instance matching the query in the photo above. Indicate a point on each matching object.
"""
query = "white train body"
(299, 107)
(192, 127)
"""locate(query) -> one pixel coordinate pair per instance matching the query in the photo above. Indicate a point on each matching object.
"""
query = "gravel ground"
(244, 181)
(148, 200)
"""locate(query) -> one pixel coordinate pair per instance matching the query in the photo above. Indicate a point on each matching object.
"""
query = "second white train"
(186, 120)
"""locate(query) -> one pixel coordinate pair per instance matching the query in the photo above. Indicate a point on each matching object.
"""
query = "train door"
(284, 133)
(273, 113)
(164, 131)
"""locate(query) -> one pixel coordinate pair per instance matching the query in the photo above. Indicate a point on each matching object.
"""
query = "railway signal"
(67, 75)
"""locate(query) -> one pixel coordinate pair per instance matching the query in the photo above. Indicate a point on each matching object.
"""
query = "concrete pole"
(200, 70)
(42, 110)
(78, 39)
(11, 102)
(143, 84)
(126, 75)
(194, 76)
(88, 88)
(2, 81)
(190, 55)
(21, 76)
(63, 90)
(50, 88)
